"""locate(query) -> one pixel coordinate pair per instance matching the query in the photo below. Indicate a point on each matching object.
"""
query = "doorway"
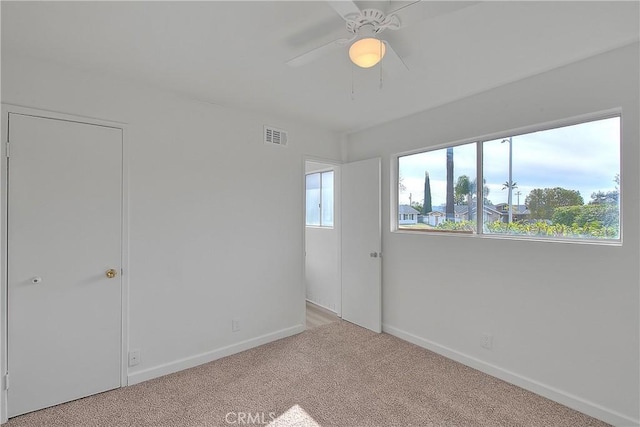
(323, 286)
(64, 264)
(343, 254)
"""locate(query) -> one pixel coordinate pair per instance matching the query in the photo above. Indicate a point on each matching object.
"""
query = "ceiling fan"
(366, 47)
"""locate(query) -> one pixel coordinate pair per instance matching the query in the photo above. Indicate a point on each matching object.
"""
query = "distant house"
(461, 213)
(434, 218)
(520, 212)
(489, 213)
(439, 215)
(407, 215)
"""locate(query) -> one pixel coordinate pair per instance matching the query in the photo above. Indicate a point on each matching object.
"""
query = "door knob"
(111, 273)
(373, 254)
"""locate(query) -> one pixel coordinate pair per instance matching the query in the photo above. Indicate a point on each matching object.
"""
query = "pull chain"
(353, 96)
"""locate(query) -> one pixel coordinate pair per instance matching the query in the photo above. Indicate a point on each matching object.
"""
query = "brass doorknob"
(111, 273)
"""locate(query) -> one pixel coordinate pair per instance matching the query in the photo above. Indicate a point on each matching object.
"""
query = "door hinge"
(8, 149)
(6, 381)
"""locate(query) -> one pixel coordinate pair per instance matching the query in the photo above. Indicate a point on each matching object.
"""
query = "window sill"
(433, 230)
(519, 238)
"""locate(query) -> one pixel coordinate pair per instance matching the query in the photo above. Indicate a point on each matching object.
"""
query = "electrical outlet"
(235, 325)
(487, 341)
(134, 357)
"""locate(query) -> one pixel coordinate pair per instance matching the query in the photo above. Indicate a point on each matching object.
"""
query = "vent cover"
(275, 136)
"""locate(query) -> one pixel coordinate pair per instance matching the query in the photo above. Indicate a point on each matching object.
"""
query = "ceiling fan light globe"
(366, 53)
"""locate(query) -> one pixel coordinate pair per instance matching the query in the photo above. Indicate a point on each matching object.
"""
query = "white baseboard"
(199, 359)
(564, 398)
(322, 307)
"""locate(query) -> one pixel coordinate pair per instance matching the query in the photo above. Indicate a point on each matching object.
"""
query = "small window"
(319, 199)
(437, 190)
(559, 183)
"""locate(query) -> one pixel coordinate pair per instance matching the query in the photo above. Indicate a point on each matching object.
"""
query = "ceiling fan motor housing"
(372, 19)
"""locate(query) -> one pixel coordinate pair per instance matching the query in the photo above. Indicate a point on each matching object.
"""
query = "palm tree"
(449, 211)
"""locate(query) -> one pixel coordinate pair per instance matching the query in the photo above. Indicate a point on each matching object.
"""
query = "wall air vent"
(275, 136)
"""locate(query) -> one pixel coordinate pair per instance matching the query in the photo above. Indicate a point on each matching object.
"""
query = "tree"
(543, 202)
(591, 215)
(507, 185)
(461, 189)
(604, 215)
(485, 191)
(449, 207)
(609, 197)
(604, 198)
(465, 189)
(401, 185)
(566, 215)
(426, 205)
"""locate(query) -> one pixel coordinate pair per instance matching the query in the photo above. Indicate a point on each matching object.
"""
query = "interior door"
(361, 244)
(64, 261)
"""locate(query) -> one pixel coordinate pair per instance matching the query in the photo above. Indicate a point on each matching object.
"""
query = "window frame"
(479, 141)
(320, 207)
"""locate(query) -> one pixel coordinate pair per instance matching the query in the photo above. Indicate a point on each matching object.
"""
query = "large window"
(319, 190)
(560, 183)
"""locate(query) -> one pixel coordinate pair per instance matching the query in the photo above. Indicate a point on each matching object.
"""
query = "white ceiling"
(233, 53)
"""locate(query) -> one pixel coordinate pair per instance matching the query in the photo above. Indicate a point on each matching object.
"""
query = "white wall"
(216, 216)
(564, 317)
(322, 262)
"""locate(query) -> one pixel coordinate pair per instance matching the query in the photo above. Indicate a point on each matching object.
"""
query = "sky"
(583, 157)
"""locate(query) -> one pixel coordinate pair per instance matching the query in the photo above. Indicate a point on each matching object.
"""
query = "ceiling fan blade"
(346, 8)
(316, 53)
(392, 61)
(403, 7)
(421, 10)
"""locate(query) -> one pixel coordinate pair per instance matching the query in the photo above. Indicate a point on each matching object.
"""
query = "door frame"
(4, 125)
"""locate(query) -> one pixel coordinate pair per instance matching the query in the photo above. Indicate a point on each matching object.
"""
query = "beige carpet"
(337, 375)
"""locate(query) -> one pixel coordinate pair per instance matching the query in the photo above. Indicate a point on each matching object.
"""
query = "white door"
(64, 235)
(361, 244)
